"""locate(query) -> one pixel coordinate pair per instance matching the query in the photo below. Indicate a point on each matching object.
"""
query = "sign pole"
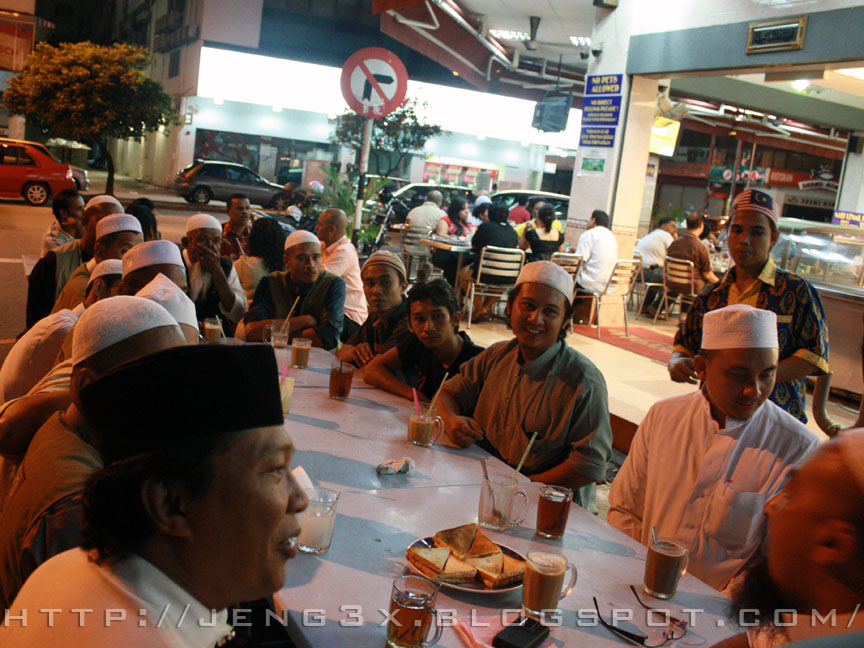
(361, 182)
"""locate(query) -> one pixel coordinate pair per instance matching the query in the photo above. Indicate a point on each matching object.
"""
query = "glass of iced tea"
(341, 374)
(412, 613)
(212, 330)
(553, 508)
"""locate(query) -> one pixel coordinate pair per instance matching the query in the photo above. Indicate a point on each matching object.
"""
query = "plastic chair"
(503, 263)
(680, 272)
(618, 290)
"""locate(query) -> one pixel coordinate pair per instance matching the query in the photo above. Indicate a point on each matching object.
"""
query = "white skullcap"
(851, 446)
(106, 267)
(202, 221)
(294, 211)
(168, 295)
(549, 274)
(113, 320)
(299, 237)
(98, 200)
(316, 186)
(739, 327)
(117, 223)
(151, 253)
(481, 200)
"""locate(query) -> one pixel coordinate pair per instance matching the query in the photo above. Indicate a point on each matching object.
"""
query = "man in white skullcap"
(213, 282)
(384, 283)
(754, 280)
(42, 514)
(53, 270)
(320, 296)
(36, 352)
(168, 295)
(702, 465)
(143, 262)
(116, 234)
(537, 383)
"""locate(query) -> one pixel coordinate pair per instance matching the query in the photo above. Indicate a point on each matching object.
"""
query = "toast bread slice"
(457, 571)
(488, 568)
(482, 546)
(458, 539)
(512, 571)
(429, 560)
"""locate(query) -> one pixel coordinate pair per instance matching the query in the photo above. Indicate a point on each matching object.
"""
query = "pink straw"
(284, 374)
(416, 403)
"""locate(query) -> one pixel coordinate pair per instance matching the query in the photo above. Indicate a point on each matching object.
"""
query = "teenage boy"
(436, 347)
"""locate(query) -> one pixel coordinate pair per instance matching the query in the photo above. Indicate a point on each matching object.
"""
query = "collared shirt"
(690, 248)
(199, 284)
(560, 395)
(801, 325)
(421, 367)
(341, 259)
(131, 588)
(599, 249)
(426, 215)
(653, 247)
(54, 237)
(703, 485)
(385, 331)
(518, 214)
(235, 245)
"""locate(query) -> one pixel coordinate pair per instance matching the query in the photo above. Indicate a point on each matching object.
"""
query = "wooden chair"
(503, 263)
(680, 272)
(569, 261)
(411, 247)
(618, 290)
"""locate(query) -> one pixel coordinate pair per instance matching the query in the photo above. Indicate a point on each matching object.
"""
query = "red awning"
(380, 6)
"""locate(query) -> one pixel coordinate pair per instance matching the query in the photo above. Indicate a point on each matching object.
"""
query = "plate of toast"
(463, 558)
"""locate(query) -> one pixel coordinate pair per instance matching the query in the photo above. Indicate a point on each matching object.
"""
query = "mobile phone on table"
(526, 633)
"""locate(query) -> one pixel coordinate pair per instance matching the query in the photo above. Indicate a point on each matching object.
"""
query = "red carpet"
(645, 342)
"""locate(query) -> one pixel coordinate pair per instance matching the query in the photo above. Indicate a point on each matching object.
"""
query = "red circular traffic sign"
(374, 82)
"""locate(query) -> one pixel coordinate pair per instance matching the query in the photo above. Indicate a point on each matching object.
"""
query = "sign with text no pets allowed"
(374, 82)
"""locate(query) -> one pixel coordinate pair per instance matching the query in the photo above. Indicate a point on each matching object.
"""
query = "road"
(21, 230)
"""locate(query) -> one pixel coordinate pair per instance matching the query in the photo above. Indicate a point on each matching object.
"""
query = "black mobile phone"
(526, 633)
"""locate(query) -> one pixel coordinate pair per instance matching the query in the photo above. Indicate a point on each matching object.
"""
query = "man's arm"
(260, 312)
(809, 330)
(793, 368)
(41, 286)
(688, 340)
(627, 495)
(327, 332)
(563, 475)
(380, 373)
(461, 430)
(22, 418)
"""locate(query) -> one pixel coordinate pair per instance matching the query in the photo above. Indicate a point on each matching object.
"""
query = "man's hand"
(362, 354)
(464, 430)
(209, 259)
(681, 369)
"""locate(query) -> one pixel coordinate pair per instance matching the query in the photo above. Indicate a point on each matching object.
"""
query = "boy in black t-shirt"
(436, 345)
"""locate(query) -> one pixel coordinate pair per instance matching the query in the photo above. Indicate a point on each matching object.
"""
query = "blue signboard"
(850, 219)
(604, 84)
(597, 136)
(601, 111)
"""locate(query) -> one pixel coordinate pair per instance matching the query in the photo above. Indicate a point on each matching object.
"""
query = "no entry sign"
(374, 82)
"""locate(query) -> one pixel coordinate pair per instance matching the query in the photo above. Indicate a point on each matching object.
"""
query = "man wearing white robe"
(702, 465)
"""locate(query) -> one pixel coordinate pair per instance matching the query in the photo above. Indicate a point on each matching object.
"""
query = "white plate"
(476, 586)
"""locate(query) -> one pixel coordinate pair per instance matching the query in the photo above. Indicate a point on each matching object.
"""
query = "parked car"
(80, 176)
(414, 194)
(560, 202)
(207, 180)
(29, 170)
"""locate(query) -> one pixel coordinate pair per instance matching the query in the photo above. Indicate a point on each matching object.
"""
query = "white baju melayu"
(123, 604)
(599, 249)
(341, 259)
(653, 247)
(704, 486)
(199, 284)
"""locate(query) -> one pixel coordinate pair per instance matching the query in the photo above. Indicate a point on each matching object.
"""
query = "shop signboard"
(847, 218)
(374, 82)
(723, 173)
(16, 42)
(822, 180)
(601, 109)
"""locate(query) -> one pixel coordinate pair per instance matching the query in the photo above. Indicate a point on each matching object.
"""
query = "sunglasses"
(674, 630)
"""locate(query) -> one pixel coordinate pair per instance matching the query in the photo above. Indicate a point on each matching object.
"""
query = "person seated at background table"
(535, 383)
(264, 254)
(702, 465)
(652, 248)
(68, 225)
(115, 235)
(384, 284)
(518, 213)
(213, 282)
(194, 510)
(480, 213)
(146, 217)
(42, 512)
(235, 232)
(436, 347)
(320, 296)
(599, 250)
(813, 559)
(497, 233)
(429, 213)
(756, 281)
(339, 256)
(540, 236)
(455, 223)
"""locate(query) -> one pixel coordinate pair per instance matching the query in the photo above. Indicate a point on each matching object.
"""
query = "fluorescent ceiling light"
(801, 85)
(506, 34)
(580, 41)
(856, 73)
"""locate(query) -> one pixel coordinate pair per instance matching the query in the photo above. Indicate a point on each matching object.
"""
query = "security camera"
(584, 55)
(597, 50)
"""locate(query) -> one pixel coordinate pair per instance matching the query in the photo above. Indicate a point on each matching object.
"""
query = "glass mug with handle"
(543, 583)
(412, 613)
(276, 334)
(496, 503)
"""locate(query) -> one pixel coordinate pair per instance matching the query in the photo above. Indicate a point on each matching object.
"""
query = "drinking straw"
(524, 456)
(219, 321)
(290, 312)
(654, 535)
(485, 471)
(435, 397)
(416, 402)
(284, 374)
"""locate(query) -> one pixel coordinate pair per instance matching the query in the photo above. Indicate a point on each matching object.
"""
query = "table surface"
(453, 245)
(335, 598)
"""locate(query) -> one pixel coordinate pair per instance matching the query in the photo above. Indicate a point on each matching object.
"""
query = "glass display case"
(829, 256)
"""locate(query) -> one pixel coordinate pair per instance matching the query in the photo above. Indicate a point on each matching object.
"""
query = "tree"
(393, 137)
(80, 91)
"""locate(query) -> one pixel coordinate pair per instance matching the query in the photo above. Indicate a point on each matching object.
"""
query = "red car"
(26, 169)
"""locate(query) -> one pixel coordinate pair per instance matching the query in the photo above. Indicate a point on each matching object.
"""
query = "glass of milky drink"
(543, 583)
(412, 613)
(425, 430)
(212, 330)
(665, 564)
(553, 509)
(318, 520)
(300, 349)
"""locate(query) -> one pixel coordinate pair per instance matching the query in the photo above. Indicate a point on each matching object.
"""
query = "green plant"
(341, 193)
